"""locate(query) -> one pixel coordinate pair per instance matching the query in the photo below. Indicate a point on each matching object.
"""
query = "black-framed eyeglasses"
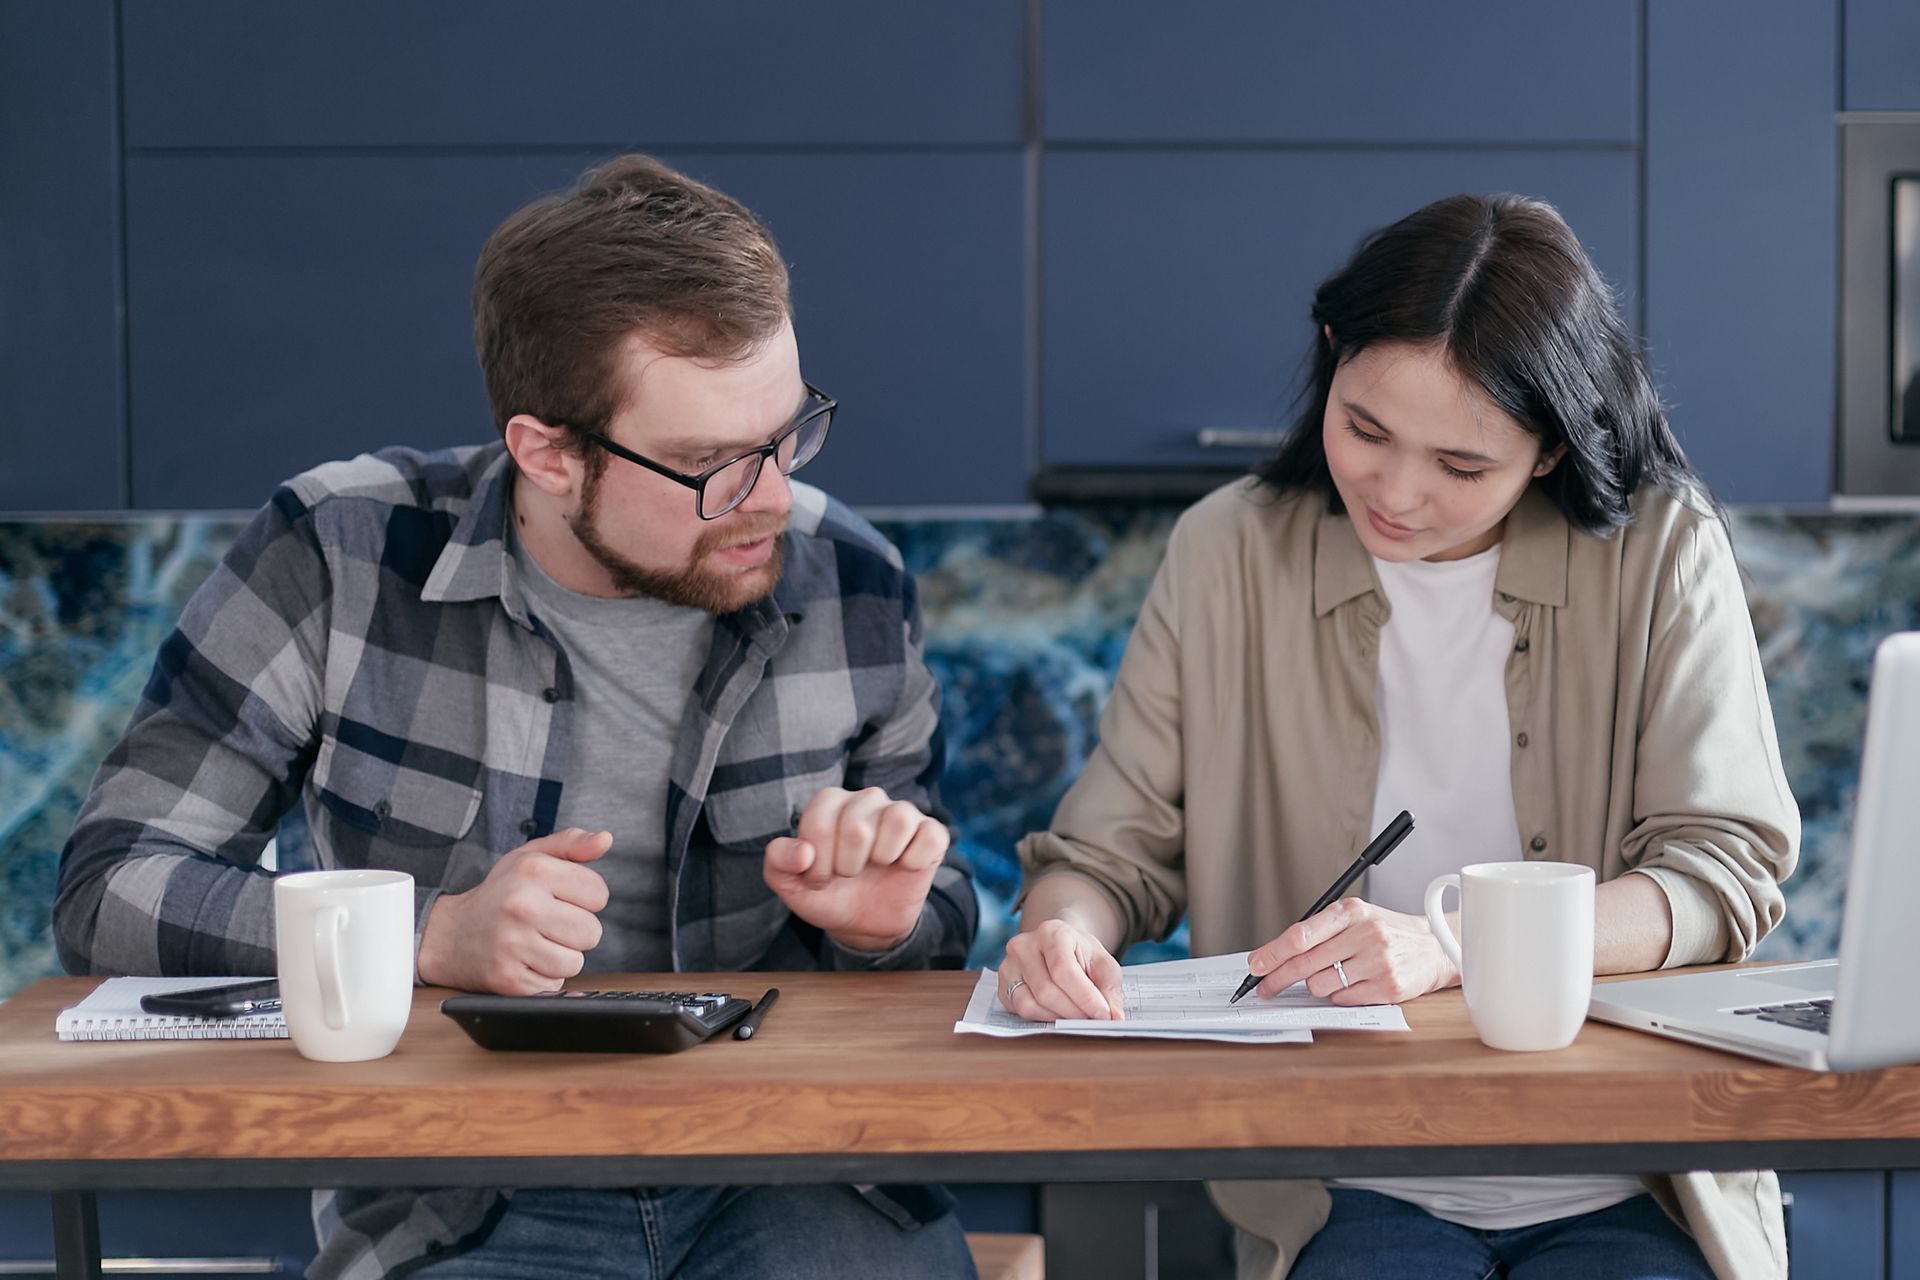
(725, 485)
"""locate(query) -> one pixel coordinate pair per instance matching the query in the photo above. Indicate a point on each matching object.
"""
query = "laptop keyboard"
(1807, 1015)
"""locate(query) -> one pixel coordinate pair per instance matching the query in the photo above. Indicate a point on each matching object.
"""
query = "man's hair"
(633, 247)
(1501, 285)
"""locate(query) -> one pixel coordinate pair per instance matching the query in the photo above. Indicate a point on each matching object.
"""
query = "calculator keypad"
(702, 1005)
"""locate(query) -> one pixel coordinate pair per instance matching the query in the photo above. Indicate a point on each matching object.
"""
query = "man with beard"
(618, 694)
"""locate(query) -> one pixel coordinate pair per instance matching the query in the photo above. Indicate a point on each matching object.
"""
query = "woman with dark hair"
(1479, 581)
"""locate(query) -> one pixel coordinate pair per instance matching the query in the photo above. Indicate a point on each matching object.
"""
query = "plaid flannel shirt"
(366, 646)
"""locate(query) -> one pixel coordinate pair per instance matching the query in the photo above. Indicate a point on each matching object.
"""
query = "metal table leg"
(76, 1236)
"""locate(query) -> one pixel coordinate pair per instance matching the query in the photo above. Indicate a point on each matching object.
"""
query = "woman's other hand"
(1057, 970)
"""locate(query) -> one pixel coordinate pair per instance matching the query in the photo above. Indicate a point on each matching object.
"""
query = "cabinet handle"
(237, 1266)
(1238, 438)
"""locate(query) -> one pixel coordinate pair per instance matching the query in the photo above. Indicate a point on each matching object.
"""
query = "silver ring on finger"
(1340, 972)
(1014, 986)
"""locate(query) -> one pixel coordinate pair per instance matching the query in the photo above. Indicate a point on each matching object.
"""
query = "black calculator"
(595, 1021)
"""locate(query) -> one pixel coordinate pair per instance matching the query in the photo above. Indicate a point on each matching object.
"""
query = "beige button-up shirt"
(1235, 773)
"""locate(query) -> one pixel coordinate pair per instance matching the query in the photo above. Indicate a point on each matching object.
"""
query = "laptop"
(1863, 1009)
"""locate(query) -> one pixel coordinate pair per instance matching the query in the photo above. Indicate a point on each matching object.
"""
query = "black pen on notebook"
(751, 1023)
(1376, 851)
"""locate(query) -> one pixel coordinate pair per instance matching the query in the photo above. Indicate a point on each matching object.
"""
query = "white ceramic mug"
(345, 941)
(1525, 952)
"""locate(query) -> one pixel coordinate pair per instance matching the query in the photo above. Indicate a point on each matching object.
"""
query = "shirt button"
(382, 810)
(1522, 739)
(551, 694)
(1538, 844)
(1506, 597)
(528, 827)
(1521, 645)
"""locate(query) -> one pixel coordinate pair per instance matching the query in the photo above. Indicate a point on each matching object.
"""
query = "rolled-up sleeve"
(1715, 824)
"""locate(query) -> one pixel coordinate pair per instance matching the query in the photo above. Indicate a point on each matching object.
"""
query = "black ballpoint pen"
(751, 1023)
(1376, 851)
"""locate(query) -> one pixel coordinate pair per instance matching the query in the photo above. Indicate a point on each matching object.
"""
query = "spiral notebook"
(113, 1012)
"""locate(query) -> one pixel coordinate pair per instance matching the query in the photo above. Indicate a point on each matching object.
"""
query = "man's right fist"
(527, 927)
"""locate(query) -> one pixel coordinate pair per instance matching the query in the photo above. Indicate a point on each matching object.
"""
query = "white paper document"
(1187, 1000)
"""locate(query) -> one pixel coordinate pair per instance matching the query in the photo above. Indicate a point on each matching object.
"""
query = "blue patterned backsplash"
(1026, 620)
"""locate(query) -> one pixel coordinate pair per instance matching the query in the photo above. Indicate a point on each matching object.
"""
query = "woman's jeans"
(1370, 1236)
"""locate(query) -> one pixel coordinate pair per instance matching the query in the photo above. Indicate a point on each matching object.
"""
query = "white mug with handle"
(1525, 950)
(345, 942)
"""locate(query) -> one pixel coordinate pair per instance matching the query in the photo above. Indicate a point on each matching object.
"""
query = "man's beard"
(693, 586)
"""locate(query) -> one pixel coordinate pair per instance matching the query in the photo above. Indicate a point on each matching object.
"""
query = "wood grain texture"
(869, 1063)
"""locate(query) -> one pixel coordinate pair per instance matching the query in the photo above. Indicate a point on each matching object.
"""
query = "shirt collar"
(474, 565)
(1533, 556)
(1342, 569)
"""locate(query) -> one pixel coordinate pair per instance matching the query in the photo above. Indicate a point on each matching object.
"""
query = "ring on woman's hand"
(1014, 986)
(1340, 972)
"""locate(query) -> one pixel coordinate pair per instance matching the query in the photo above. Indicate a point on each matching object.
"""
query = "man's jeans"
(1374, 1237)
(807, 1232)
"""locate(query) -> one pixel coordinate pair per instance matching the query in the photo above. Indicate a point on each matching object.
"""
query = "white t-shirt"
(1445, 755)
(1441, 697)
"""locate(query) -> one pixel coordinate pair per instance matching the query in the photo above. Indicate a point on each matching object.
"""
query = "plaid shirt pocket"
(373, 802)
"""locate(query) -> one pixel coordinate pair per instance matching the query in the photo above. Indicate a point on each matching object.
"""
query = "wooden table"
(859, 1078)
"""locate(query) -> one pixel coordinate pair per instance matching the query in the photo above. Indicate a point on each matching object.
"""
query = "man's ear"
(1549, 460)
(535, 446)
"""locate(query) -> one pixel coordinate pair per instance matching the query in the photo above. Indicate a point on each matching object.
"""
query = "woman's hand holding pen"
(1385, 957)
(1057, 970)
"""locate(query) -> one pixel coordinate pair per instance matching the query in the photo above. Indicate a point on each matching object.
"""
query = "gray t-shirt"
(634, 662)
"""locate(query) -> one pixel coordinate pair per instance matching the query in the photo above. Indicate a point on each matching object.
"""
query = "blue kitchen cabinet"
(60, 356)
(1903, 1224)
(287, 308)
(592, 74)
(228, 1232)
(1882, 63)
(1741, 229)
(1516, 71)
(1177, 284)
(1836, 1225)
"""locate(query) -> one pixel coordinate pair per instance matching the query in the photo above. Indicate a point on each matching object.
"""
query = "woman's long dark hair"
(1501, 284)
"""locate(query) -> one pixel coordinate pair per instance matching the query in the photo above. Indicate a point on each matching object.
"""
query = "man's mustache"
(742, 534)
